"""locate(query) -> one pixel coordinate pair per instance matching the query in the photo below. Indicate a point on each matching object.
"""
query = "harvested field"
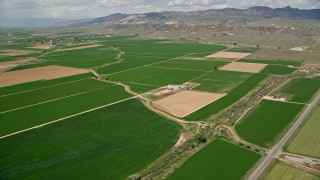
(227, 100)
(10, 64)
(280, 170)
(15, 52)
(80, 47)
(35, 74)
(243, 67)
(310, 132)
(186, 102)
(231, 55)
(41, 46)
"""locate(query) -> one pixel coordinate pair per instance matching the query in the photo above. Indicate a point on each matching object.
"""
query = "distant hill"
(261, 11)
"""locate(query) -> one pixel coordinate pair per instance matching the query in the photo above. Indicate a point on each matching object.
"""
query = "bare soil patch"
(244, 67)
(15, 52)
(41, 46)
(36, 74)
(80, 47)
(10, 64)
(231, 55)
(186, 102)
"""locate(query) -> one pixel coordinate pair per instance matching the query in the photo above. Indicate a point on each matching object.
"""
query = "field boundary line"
(44, 87)
(61, 119)
(146, 65)
(135, 83)
(177, 69)
(44, 102)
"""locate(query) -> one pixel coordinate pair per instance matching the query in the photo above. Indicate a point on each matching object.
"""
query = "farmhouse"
(173, 87)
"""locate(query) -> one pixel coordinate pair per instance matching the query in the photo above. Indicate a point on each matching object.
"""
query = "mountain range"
(257, 11)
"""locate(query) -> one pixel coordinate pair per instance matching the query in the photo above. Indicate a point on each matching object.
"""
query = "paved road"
(277, 149)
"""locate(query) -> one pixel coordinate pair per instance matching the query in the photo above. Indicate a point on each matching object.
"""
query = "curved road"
(277, 149)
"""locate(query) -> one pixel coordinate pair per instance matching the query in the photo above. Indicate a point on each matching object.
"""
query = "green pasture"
(94, 145)
(218, 160)
(200, 65)
(43, 113)
(11, 102)
(278, 70)
(267, 122)
(299, 89)
(274, 62)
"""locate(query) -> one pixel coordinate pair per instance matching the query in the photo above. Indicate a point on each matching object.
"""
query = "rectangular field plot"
(41, 84)
(230, 55)
(266, 123)
(201, 65)
(280, 170)
(155, 76)
(307, 141)
(127, 65)
(243, 49)
(83, 58)
(243, 67)
(278, 69)
(110, 143)
(11, 102)
(137, 74)
(221, 81)
(275, 62)
(186, 102)
(36, 115)
(219, 160)
(300, 89)
(36, 74)
(174, 76)
(227, 100)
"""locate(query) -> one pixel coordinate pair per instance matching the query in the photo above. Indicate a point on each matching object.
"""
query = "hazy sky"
(76, 9)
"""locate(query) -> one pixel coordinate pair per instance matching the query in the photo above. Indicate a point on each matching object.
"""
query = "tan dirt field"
(15, 52)
(36, 74)
(41, 46)
(10, 64)
(186, 102)
(231, 55)
(243, 67)
(80, 47)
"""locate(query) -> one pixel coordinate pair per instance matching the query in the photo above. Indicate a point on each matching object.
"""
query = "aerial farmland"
(96, 102)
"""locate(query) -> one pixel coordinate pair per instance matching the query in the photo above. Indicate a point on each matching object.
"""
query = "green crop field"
(221, 81)
(307, 141)
(201, 65)
(175, 76)
(141, 88)
(28, 117)
(278, 70)
(227, 100)
(41, 84)
(11, 102)
(126, 65)
(136, 74)
(218, 160)
(90, 57)
(275, 62)
(94, 145)
(266, 123)
(243, 50)
(293, 90)
(280, 171)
